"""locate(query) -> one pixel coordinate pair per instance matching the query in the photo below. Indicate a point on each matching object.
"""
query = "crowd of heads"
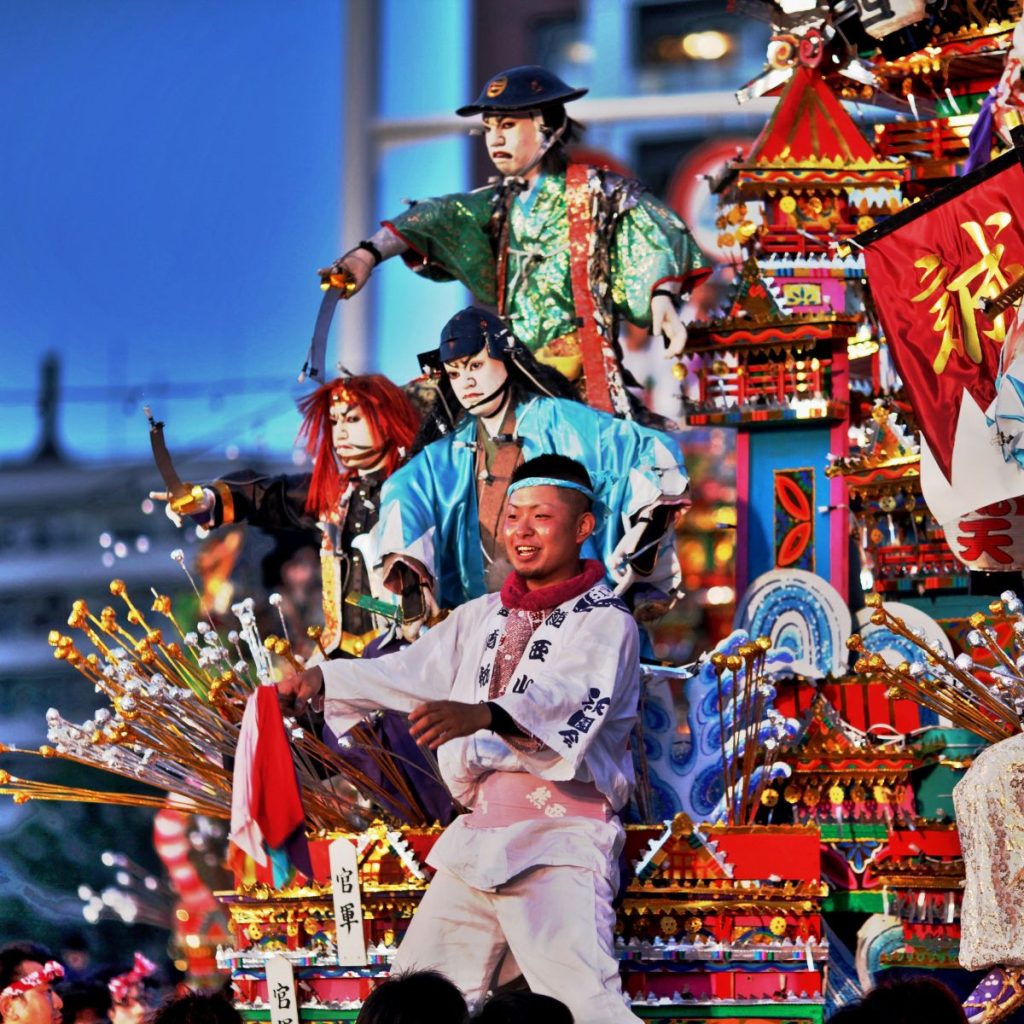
(36, 989)
(428, 997)
(906, 1001)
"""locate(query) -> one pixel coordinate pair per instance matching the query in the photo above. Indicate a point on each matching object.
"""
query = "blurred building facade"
(67, 528)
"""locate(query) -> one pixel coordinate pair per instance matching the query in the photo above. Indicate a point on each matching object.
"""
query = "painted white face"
(512, 141)
(352, 436)
(478, 381)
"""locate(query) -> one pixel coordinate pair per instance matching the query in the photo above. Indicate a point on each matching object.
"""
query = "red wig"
(393, 423)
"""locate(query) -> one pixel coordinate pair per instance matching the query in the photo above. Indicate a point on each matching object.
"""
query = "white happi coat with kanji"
(576, 689)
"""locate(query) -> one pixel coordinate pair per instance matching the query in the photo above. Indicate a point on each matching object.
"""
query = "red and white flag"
(266, 803)
(929, 269)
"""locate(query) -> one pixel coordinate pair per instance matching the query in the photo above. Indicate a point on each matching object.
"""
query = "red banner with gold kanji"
(928, 278)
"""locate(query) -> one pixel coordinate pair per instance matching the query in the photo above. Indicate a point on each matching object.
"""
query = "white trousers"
(556, 921)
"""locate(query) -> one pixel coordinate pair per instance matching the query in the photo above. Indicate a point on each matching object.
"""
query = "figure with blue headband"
(529, 696)
(439, 534)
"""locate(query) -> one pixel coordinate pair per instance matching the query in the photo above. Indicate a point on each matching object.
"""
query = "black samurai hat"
(529, 87)
(467, 332)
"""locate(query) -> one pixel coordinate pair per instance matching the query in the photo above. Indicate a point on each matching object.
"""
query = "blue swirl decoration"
(802, 614)
(692, 772)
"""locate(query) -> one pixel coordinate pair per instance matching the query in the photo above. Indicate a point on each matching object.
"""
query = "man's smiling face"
(544, 528)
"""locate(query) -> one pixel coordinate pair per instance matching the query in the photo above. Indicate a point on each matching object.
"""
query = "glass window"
(696, 45)
(557, 43)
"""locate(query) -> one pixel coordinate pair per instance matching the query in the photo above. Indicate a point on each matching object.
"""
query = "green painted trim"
(861, 901)
(852, 831)
(791, 1014)
(804, 1014)
(306, 1013)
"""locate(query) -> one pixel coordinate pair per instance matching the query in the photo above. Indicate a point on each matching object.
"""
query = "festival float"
(805, 772)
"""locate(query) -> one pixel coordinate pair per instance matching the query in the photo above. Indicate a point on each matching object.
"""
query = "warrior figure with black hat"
(496, 406)
(357, 431)
(563, 250)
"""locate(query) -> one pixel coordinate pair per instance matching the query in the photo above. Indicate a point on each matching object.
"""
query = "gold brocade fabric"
(989, 802)
(650, 244)
(330, 574)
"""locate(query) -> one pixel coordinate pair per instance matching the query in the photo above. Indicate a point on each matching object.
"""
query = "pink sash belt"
(506, 798)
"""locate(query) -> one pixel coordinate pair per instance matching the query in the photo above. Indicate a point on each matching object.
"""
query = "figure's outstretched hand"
(296, 692)
(438, 721)
(200, 513)
(350, 272)
(667, 322)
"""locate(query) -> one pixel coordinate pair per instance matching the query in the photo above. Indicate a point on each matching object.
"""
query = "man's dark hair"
(852, 1014)
(558, 467)
(522, 1008)
(197, 1008)
(556, 159)
(14, 954)
(416, 997)
(912, 1000)
(84, 995)
(74, 941)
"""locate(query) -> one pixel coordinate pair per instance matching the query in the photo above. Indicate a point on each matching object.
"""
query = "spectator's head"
(27, 977)
(911, 1002)
(74, 953)
(852, 1014)
(128, 997)
(418, 997)
(522, 1008)
(85, 1002)
(193, 1008)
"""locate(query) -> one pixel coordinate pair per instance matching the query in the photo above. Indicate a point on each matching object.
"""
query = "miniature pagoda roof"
(797, 332)
(891, 453)
(810, 140)
(973, 55)
(754, 316)
(824, 747)
(753, 298)
(725, 859)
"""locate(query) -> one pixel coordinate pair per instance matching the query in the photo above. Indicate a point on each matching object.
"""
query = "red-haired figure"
(357, 431)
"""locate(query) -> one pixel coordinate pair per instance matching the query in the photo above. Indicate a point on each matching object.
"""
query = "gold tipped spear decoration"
(988, 700)
(173, 717)
(751, 731)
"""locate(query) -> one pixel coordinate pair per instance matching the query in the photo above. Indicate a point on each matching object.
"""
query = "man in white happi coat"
(529, 697)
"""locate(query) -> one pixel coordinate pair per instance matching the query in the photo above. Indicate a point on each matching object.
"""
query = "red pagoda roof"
(811, 139)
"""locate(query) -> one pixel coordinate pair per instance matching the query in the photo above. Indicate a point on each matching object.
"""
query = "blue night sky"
(170, 183)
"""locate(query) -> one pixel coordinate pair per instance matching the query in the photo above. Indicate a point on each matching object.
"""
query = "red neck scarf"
(514, 594)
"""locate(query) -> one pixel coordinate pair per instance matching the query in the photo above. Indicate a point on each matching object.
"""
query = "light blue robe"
(429, 507)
